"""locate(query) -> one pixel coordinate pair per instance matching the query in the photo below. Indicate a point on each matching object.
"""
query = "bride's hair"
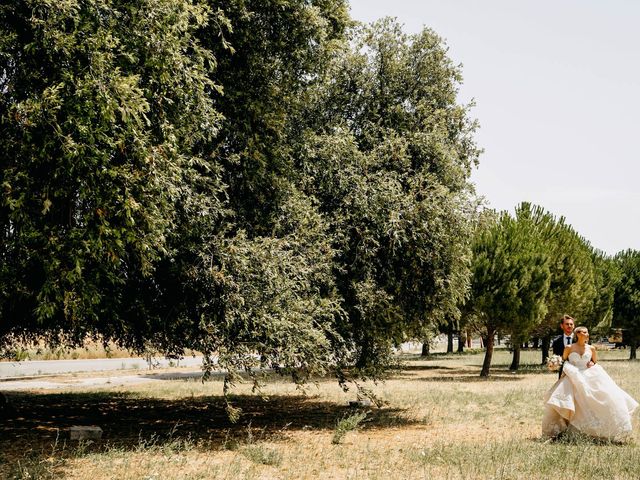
(574, 337)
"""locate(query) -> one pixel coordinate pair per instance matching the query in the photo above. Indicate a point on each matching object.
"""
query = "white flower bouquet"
(554, 362)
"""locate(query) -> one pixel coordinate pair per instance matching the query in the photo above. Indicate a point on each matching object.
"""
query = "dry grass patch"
(440, 421)
(39, 351)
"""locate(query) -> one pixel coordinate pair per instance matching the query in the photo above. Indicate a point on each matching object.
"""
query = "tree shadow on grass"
(416, 357)
(471, 378)
(409, 367)
(42, 420)
(186, 376)
(472, 374)
(533, 369)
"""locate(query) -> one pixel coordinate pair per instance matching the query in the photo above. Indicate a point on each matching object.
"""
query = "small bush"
(262, 455)
(21, 355)
(347, 424)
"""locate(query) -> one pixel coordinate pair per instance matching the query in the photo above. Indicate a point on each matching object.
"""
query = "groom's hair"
(566, 317)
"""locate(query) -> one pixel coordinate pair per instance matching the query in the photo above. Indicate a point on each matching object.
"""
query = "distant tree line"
(530, 268)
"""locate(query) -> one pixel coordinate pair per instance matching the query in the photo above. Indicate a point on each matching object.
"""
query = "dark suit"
(558, 349)
(558, 345)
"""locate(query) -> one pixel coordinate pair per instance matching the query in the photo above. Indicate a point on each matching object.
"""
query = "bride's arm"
(594, 354)
(566, 352)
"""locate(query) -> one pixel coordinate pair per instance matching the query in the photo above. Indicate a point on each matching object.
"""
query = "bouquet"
(554, 362)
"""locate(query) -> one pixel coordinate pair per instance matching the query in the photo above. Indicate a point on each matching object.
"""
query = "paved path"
(69, 383)
(30, 368)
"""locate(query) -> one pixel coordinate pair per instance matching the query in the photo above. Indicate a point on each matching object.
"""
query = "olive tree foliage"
(387, 154)
(133, 210)
(272, 52)
(270, 289)
(510, 277)
(388, 226)
(104, 111)
(258, 181)
(626, 303)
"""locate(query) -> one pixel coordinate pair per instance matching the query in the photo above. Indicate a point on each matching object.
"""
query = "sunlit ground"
(440, 420)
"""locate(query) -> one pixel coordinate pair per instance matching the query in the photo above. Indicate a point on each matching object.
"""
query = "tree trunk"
(632, 350)
(425, 349)
(515, 363)
(461, 341)
(450, 341)
(536, 342)
(545, 348)
(365, 354)
(468, 337)
(488, 354)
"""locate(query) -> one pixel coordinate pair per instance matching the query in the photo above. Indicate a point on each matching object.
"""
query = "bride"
(585, 398)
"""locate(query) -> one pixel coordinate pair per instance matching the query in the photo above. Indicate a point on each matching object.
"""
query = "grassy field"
(441, 420)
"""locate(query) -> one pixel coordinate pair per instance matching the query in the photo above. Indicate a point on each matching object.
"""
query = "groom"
(567, 325)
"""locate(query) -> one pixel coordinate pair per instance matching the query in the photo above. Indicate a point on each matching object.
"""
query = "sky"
(556, 85)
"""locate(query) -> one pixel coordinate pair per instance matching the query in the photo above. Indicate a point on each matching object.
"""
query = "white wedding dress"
(588, 400)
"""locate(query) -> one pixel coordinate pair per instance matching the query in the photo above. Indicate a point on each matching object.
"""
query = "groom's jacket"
(558, 349)
(558, 345)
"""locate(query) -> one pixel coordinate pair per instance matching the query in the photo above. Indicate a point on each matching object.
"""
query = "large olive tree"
(105, 109)
(388, 154)
(248, 179)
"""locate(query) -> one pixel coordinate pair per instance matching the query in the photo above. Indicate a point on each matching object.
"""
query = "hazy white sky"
(557, 91)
